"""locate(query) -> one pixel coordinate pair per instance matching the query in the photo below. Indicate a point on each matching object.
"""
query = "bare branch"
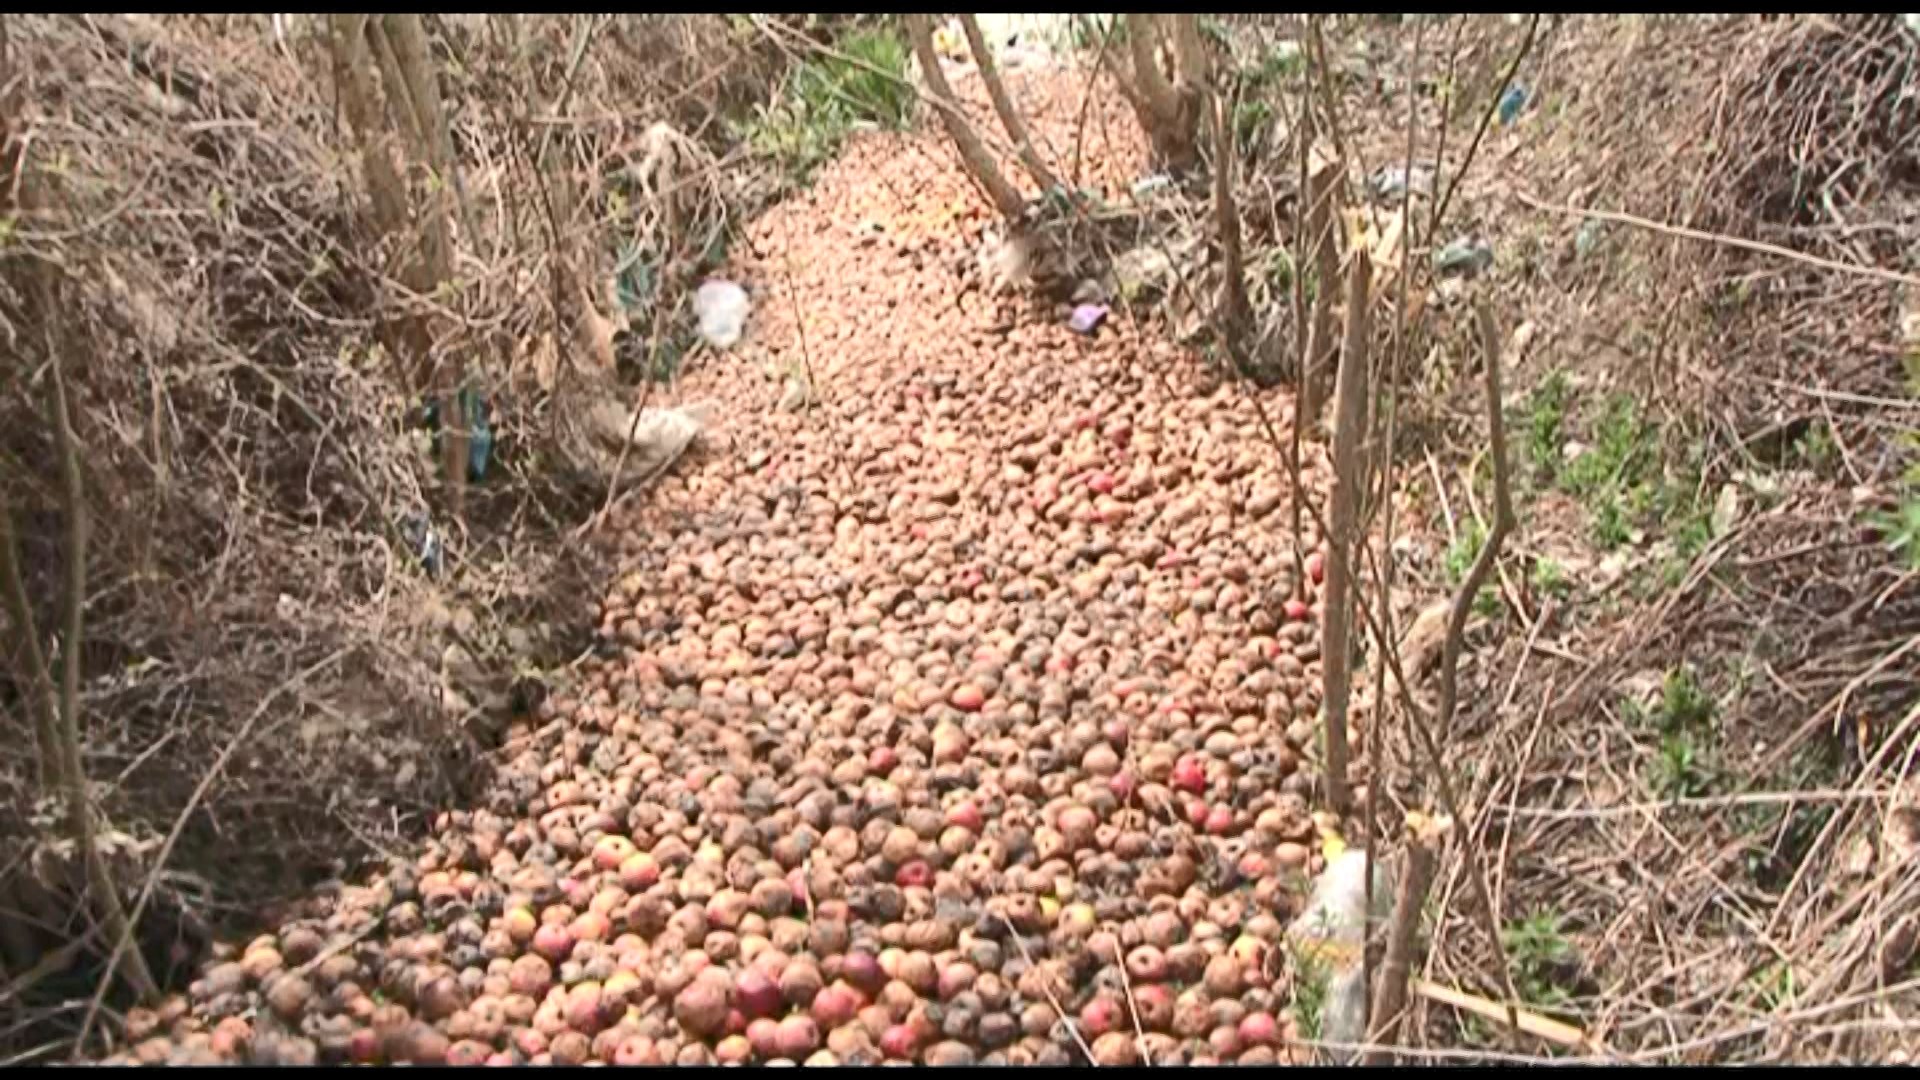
(1003, 105)
(1336, 647)
(1424, 838)
(104, 891)
(973, 154)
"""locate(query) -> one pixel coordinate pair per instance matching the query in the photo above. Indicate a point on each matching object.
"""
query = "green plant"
(1550, 579)
(1619, 456)
(1684, 705)
(1902, 525)
(1774, 985)
(1815, 447)
(1546, 416)
(863, 79)
(1679, 769)
(1310, 980)
(1542, 957)
(1464, 549)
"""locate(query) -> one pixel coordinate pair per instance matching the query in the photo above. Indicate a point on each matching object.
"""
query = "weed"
(1547, 413)
(1542, 957)
(1679, 770)
(1815, 448)
(1902, 526)
(827, 96)
(1550, 579)
(1310, 979)
(1684, 716)
(1460, 557)
(1619, 455)
(1683, 704)
(1464, 549)
(1250, 118)
(1774, 986)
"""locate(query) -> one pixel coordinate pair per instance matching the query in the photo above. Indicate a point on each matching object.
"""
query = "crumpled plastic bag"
(1332, 931)
(722, 308)
(659, 436)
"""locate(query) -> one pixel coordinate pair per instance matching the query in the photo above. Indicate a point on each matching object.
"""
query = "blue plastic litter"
(479, 437)
(1511, 103)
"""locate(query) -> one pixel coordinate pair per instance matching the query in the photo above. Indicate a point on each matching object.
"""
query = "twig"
(1058, 1010)
(1003, 104)
(1503, 522)
(106, 892)
(1424, 835)
(1758, 246)
(1532, 1023)
(180, 824)
(1133, 1009)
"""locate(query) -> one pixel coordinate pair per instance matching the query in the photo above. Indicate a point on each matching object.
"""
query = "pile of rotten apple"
(973, 700)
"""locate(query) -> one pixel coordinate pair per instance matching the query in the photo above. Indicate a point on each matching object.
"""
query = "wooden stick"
(1424, 836)
(1531, 1023)
(1757, 246)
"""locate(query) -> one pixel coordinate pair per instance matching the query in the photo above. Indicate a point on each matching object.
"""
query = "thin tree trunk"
(417, 95)
(359, 97)
(1003, 105)
(1350, 403)
(1322, 195)
(973, 154)
(1174, 115)
(103, 890)
(31, 672)
(1424, 836)
(1234, 308)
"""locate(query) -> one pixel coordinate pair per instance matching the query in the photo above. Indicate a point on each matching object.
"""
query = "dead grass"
(262, 496)
(1693, 762)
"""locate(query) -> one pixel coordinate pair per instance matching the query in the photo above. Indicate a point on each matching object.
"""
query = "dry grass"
(260, 489)
(1693, 780)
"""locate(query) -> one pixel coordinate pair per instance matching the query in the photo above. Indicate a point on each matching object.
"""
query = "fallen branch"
(1758, 246)
(1424, 837)
(1522, 1020)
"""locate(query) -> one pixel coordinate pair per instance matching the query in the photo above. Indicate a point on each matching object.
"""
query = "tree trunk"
(395, 45)
(103, 891)
(417, 95)
(1235, 310)
(1003, 105)
(1336, 643)
(1317, 366)
(973, 154)
(1172, 114)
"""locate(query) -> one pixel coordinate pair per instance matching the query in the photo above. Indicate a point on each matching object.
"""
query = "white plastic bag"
(722, 307)
(1332, 930)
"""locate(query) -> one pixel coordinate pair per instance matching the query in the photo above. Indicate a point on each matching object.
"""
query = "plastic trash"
(1148, 186)
(1511, 103)
(722, 307)
(1087, 317)
(427, 546)
(479, 436)
(1467, 255)
(1392, 181)
(659, 436)
(1331, 934)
